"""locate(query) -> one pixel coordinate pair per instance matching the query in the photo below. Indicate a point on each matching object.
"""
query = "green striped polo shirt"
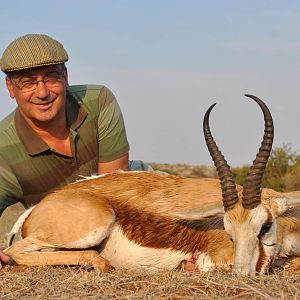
(29, 168)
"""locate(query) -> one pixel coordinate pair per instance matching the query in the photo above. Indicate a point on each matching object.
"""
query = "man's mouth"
(44, 105)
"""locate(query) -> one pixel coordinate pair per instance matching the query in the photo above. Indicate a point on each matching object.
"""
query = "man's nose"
(41, 90)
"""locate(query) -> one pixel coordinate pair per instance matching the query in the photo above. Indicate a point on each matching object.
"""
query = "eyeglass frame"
(60, 76)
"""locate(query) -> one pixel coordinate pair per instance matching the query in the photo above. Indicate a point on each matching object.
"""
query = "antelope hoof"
(101, 265)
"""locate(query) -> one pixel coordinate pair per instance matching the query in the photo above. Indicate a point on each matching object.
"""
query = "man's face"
(43, 101)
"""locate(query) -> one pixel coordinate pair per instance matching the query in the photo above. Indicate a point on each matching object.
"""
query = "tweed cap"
(32, 50)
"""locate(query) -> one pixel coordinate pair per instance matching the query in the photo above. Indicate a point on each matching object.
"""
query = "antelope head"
(251, 226)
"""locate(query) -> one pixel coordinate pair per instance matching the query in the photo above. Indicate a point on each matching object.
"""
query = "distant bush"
(203, 172)
(282, 171)
(197, 171)
(240, 173)
(291, 179)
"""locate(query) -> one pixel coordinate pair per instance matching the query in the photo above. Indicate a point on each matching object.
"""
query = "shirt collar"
(32, 141)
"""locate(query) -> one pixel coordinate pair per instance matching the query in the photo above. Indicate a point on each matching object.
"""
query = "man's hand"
(3, 259)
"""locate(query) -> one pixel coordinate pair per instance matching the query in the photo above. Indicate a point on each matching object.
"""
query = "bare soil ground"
(20, 282)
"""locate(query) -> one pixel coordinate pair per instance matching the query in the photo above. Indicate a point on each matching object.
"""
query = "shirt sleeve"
(112, 139)
(10, 190)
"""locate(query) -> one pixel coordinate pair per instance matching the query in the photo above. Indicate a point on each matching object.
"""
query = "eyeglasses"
(29, 85)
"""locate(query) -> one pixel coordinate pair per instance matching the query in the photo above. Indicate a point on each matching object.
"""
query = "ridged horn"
(229, 192)
(252, 183)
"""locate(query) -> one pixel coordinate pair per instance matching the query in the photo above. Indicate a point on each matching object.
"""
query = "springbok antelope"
(153, 221)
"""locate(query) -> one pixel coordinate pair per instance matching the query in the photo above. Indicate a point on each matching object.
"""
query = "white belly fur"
(123, 253)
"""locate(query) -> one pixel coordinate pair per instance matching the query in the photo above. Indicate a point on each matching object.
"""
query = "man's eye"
(27, 83)
(52, 78)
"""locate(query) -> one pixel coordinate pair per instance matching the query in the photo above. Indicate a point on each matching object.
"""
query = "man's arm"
(117, 164)
(112, 139)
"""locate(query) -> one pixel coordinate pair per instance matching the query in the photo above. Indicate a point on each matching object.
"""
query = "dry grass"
(18, 282)
(75, 283)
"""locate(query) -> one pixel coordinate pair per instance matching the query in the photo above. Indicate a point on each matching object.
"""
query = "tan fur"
(289, 228)
(82, 215)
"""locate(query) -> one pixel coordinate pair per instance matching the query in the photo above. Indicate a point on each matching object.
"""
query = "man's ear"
(66, 76)
(10, 88)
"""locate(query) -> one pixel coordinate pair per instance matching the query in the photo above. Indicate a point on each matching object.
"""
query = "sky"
(168, 61)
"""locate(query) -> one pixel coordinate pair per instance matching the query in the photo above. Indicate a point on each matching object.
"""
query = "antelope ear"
(288, 201)
(206, 210)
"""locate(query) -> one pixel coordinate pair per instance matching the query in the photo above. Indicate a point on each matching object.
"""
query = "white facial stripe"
(245, 236)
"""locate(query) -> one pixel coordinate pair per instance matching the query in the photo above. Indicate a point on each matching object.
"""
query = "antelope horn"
(252, 183)
(229, 192)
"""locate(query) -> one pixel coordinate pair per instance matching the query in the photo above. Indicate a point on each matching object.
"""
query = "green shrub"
(280, 163)
(282, 172)
(291, 179)
(240, 173)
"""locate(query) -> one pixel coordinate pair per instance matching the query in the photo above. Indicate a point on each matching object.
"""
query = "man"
(58, 132)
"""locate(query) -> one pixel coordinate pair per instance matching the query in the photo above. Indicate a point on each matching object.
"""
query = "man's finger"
(4, 258)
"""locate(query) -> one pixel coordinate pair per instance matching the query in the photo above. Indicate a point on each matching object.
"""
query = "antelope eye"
(265, 228)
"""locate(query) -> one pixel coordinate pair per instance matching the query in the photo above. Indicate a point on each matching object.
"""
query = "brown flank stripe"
(162, 232)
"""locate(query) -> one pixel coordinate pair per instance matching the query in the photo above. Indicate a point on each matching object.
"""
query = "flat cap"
(32, 50)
